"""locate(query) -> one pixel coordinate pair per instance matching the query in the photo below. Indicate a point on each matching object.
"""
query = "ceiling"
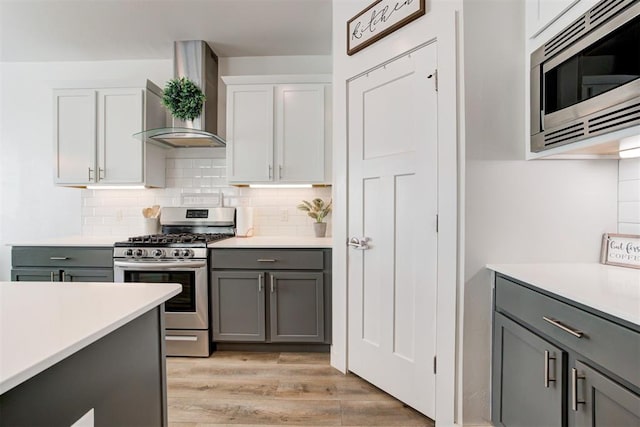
(93, 30)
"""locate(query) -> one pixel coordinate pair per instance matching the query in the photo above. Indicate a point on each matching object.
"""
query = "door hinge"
(434, 364)
(434, 75)
(437, 223)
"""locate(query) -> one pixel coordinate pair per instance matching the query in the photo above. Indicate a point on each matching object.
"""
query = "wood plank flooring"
(244, 389)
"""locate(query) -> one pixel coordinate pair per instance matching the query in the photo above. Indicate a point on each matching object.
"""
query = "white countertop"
(274, 242)
(606, 288)
(42, 323)
(88, 241)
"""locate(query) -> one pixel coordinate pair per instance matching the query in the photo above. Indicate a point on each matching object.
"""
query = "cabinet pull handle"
(180, 338)
(280, 172)
(260, 283)
(576, 333)
(547, 378)
(90, 172)
(270, 169)
(574, 388)
(273, 285)
(266, 260)
(58, 258)
(100, 174)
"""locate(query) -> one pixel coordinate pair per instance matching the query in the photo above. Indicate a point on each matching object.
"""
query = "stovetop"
(174, 240)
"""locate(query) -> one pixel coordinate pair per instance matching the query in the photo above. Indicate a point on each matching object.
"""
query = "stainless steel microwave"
(585, 81)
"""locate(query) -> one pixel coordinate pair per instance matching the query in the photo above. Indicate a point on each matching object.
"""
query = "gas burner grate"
(178, 238)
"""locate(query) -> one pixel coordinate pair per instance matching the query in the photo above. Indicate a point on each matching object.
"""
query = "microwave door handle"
(171, 266)
(542, 119)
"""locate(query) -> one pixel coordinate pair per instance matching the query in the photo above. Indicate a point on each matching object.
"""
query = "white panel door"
(393, 170)
(250, 133)
(120, 155)
(74, 135)
(300, 133)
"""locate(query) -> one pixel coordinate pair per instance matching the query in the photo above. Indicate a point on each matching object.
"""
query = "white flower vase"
(320, 229)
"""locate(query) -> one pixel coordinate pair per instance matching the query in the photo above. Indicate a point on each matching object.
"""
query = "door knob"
(361, 243)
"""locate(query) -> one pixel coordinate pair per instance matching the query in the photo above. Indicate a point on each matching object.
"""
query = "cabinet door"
(238, 306)
(87, 275)
(250, 133)
(599, 401)
(296, 307)
(74, 130)
(34, 275)
(527, 385)
(300, 133)
(120, 156)
(541, 13)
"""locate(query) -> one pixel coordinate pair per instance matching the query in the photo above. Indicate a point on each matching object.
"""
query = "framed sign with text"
(621, 249)
(380, 19)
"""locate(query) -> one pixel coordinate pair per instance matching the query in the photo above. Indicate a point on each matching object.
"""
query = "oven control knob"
(175, 253)
(139, 253)
(157, 253)
(128, 253)
(186, 253)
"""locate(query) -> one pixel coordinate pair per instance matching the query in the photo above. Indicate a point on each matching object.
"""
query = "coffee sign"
(621, 249)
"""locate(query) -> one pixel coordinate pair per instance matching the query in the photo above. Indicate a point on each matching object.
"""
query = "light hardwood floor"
(276, 389)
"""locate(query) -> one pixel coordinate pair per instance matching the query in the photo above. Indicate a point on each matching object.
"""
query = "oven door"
(187, 310)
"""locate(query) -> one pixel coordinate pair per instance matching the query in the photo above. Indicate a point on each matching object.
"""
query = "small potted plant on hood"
(183, 98)
(318, 210)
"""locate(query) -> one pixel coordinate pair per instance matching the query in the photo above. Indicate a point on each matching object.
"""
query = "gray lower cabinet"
(286, 303)
(600, 401)
(121, 376)
(238, 306)
(61, 264)
(556, 363)
(530, 381)
(296, 307)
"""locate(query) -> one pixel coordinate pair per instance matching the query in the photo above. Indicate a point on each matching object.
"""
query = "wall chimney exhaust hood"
(195, 60)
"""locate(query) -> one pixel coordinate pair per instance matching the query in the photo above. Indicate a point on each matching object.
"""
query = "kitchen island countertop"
(274, 242)
(605, 288)
(42, 323)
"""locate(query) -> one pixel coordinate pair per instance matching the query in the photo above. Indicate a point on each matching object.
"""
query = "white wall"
(32, 206)
(629, 197)
(515, 210)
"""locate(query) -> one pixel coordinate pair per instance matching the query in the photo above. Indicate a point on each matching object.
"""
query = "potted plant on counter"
(318, 210)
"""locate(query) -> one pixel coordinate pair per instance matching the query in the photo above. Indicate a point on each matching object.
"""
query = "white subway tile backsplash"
(629, 212)
(629, 228)
(198, 182)
(629, 169)
(629, 196)
(629, 191)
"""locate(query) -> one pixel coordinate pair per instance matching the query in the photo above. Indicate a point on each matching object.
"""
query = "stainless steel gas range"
(178, 255)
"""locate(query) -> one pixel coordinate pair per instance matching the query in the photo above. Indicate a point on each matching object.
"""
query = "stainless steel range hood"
(195, 60)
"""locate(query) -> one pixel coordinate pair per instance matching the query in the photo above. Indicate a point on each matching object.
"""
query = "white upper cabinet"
(93, 131)
(541, 13)
(278, 129)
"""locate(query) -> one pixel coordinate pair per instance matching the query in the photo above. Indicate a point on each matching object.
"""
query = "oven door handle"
(176, 265)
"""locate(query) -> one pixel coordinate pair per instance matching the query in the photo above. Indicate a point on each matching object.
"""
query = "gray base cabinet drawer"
(601, 340)
(59, 256)
(61, 264)
(261, 259)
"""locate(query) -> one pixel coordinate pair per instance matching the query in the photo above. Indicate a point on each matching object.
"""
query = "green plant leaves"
(316, 209)
(183, 98)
